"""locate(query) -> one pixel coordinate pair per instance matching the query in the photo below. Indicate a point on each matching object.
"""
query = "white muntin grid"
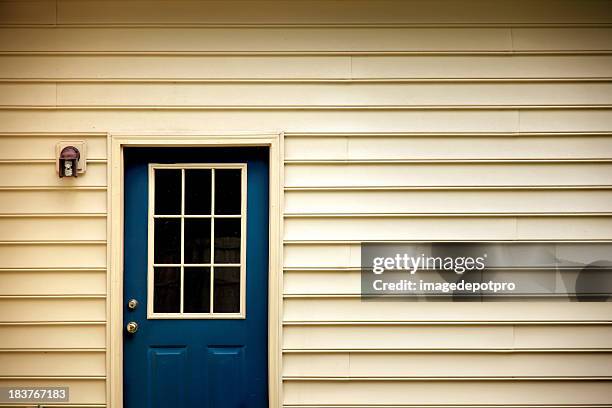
(182, 216)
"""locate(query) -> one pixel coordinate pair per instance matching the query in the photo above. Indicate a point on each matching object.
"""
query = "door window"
(197, 228)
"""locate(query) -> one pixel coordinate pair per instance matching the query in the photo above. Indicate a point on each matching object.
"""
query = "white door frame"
(114, 290)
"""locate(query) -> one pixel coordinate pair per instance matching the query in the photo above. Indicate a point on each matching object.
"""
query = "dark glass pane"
(197, 290)
(197, 240)
(227, 191)
(197, 192)
(227, 240)
(167, 192)
(167, 290)
(167, 241)
(226, 297)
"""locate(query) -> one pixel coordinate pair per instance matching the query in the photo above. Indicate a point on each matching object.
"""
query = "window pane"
(167, 192)
(227, 240)
(197, 192)
(197, 290)
(197, 240)
(167, 241)
(226, 295)
(167, 290)
(227, 191)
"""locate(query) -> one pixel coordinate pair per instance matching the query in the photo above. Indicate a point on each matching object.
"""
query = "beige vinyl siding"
(415, 120)
(206, 69)
(437, 365)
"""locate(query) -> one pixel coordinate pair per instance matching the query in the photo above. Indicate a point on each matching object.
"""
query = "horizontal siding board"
(397, 337)
(52, 202)
(27, 94)
(63, 255)
(52, 309)
(566, 120)
(451, 228)
(414, 67)
(321, 284)
(321, 94)
(447, 337)
(558, 393)
(397, 228)
(551, 39)
(44, 174)
(470, 201)
(341, 255)
(295, 40)
(315, 283)
(27, 12)
(572, 336)
(321, 255)
(448, 174)
(316, 365)
(256, 39)
(43, 148)
(82, 391)
(353, 309)
(81, 363)
(318, 148)
(414, 365)
(52, 336)
(481, 66)
(447, 148)
(559, 228)
(52, 229)
(326, 12)
(175, 67)
(347, 254)
(289, 121)
(56, 282)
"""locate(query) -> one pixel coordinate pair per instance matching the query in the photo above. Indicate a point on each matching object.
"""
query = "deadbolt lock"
(132, 304)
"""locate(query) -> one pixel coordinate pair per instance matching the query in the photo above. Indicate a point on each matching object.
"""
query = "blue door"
(195, 277)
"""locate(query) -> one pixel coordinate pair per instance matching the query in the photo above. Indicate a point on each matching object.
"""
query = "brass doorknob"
(132, 327)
